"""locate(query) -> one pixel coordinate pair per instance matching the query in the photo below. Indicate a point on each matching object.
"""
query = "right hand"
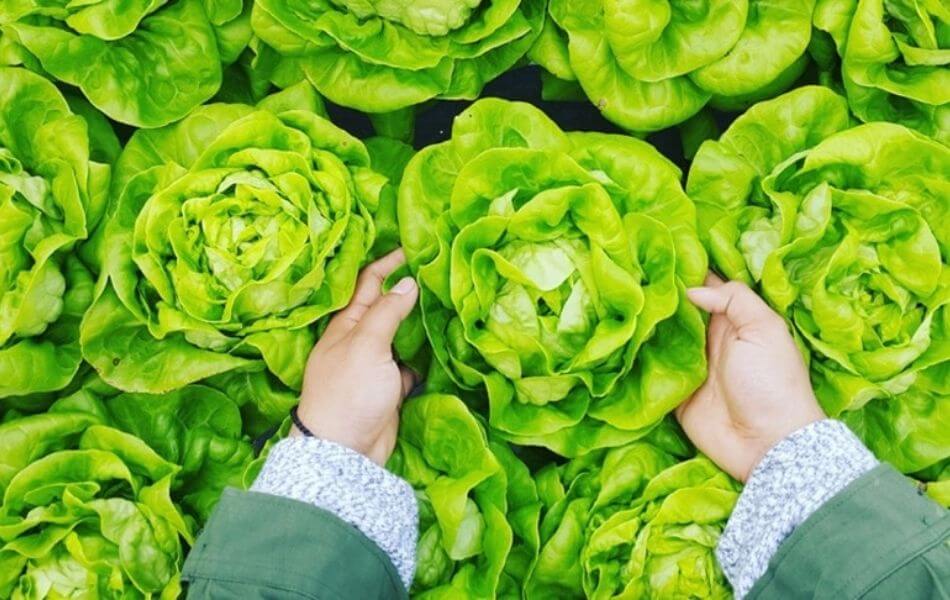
(758, 390)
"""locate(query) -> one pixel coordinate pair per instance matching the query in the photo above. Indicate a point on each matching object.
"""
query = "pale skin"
(757, 392)
(353, 387)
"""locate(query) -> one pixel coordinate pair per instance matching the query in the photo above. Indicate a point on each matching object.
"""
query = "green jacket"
(880, 537)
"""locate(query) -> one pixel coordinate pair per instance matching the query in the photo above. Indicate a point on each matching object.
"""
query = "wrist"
(304, 426)
(336, 479)
(796, 477)
(777, 435)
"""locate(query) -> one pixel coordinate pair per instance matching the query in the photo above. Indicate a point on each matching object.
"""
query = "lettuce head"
(845, 231)
(553, 269)
(54, 182)
(632, 522)
(102, 494)
(234, 233)
(894, 60)
(144, 63)
(478, 504)
(649, 64)
(383, 56)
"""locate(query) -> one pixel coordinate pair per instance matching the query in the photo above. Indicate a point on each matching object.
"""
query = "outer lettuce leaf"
(479, 507)
(631, 522)
(552, 269)
(649, 65)
(234, 232)
(145, 63)
(937, 482)
(894, 59)
(102, 494)
(198, 427)
(54, 180)
(380, 57)
(388, 157)
(846, 232)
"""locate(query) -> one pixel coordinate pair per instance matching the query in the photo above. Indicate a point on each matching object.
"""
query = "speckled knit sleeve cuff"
(794, 479)
(352, 487)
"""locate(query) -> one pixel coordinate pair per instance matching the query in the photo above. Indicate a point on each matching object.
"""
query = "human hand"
(758, 390)
(352, 386)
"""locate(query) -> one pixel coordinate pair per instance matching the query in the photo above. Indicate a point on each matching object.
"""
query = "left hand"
(353, 387)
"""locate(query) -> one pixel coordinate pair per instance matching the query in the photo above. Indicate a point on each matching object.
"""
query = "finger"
(736, 301)
(680, 412)
(369, 288)
(378, 326)
(409, 380)
(719, 331)
(713, 280)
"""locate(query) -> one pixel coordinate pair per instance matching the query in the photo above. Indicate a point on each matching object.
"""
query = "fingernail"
(405, 286)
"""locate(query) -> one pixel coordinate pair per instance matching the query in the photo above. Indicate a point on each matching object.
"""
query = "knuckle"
(367, 279)
(736, 288)
(361, 338)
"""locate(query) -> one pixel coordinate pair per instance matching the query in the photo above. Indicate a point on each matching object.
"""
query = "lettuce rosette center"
(426, 17)
(550, 264)
(547, 283)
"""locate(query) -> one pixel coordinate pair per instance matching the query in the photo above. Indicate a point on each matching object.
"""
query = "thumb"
(380, 322)
(740, 305)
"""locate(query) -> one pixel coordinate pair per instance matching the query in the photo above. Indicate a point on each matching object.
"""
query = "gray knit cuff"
(794, 479)
(352, 487)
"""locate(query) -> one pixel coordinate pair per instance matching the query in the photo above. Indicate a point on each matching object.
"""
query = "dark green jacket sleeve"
(880, 537)
(261, 546)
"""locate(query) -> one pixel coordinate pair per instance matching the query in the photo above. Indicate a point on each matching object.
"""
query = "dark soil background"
(434, 120)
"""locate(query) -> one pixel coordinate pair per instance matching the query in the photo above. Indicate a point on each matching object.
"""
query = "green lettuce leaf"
(145, 63)
(479, 507)
(380, 57)
(846, 232)
(937, 482)
(54, 180)
(234, 232)
(894, 59)
(553, 270)
(650, 65)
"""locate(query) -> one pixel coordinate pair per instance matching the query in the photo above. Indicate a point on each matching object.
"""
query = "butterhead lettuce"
(384, 56)
(649, 64)
(144, 63)
(894, 59)
(103, 493)
(552, 269)
(478, 504)
(54, 181)
(234, 232)
(845, 230)
(632, 522)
